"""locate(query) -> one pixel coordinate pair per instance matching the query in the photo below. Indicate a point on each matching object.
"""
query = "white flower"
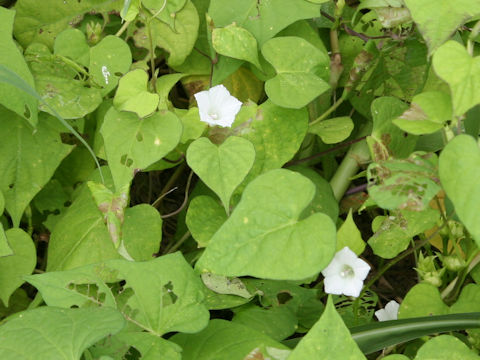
(345, 274)
(217, 107)
(390, 312)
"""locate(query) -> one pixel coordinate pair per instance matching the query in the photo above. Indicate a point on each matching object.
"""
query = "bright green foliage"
(461, 71)
(166, 11)
(223, 337)
(222, 168)
(333, 131)
(301, 75)
(225, 285)
(132, 144)
(205, 215)
(193, 128)
(448, 17)
(27, 160)
(461, 185)
(55, 333)
(164, 86)
(428, 113)
(236, 42)
(5, 248)
(10, 96)
(445, 347)
(349, 235)
(132, 94)
(71, 43)
(422, 300)
(328, 339)
(14, 267)
(264, 233)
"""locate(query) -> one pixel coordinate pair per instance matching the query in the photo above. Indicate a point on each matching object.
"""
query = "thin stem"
(185, 200)
(174, 247)
(166, 189)
(329, 111)
(152, 57)
(123, 28)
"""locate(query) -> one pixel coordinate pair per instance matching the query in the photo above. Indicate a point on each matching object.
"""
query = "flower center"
(213, 115)
(347, 272)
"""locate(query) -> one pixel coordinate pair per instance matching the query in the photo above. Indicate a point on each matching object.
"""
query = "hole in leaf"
(71, 286)
(129, 162)
(27, 113)
(283, 297)
(11, 186)
(56, 212)
(67, 203)
(139, 136)
(119, 74)
(123, 159)
(169, 297)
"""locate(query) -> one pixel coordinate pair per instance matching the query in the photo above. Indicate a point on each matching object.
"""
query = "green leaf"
(178, 41)
(328, 339)
(349, 235)
(427, 114)
(5, 249)
(264, 236)
(72, 43)
(36, 22)
(422, 300)
(109, 60)
(224, 338)
(453, 64)
(225, 285)
(132, 144)
(193, 128)
(462, 185)
(397, 230)
(445, 347)
(14, 267)
(142, 231)
(236, 42)
(164, 85)
(132, 94)
(165, 10)
(332, 131)
(448, 17)
(204, 217)
(55, 333)
(28, 159)
(301, 74)
(10, 96)
(222, 168)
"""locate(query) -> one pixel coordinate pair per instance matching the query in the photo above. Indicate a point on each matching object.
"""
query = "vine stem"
(329, 111)
(123, 28)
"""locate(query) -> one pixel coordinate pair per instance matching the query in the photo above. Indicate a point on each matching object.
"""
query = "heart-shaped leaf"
(301, 74)
(222, 168)
(132, 94)
(236, 42)
(332, 131)
(463, 185)
(462, 73)
(132, 144)
(265, 237)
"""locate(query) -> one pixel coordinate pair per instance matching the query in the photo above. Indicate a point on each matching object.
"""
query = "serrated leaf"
(236, 42)
(132, 94)
(332, 131)
(28, 159)
(14, 267)
(264, 236)
(453, 64)
(55, 333)
(132, 144)
(222, 168)
(462, 185)
(10, 96)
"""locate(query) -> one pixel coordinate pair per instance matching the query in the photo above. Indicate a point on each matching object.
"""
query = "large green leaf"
(132, 144)
(225, 339)
(56, 334)
(27, 159)
(236, 42)
(422, 300)
(329, 338)
(36, 22)
(302, 74)
(265, 237)
(14, 267)
(453, 64)
(10, 96)
(459, 169)
(222, 168)
(448, 17)
(445, 347)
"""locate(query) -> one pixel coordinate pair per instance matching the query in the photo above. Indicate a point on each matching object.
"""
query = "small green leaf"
(55, 333)
(236, 42)
(14, 267)
(462, 185)
(349, 235)
(164, 85)
(204, 217)
(422, 300)
(329, 338)
(72, 43)
(332, 131)
(264, 236)
(132, 94)
(453, 64)
(222, 168)
(224, 285)
(193, 128)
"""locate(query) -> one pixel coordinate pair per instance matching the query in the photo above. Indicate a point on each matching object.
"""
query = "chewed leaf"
(236, 42)
(264, 236)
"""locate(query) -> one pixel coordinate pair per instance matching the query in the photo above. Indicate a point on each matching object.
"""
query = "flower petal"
(334, 285)
(353, 287)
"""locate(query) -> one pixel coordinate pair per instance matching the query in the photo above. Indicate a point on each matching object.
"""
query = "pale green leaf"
(236, 42)
(5, 249)
(349, 235)
(72, 43)
(264, 236)
(193, 128)
(445, 347)
(225, 285)
(166, 11)
(164, 85)
(333, 131)
(422, 300)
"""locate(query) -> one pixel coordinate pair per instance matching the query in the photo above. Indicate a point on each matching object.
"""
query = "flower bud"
(453, 262)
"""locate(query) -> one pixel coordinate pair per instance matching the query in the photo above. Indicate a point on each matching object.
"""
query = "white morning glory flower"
(390, 312)
(345, 274)
(217, 107)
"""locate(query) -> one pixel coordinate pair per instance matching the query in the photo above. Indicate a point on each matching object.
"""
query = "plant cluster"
(241, 179)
